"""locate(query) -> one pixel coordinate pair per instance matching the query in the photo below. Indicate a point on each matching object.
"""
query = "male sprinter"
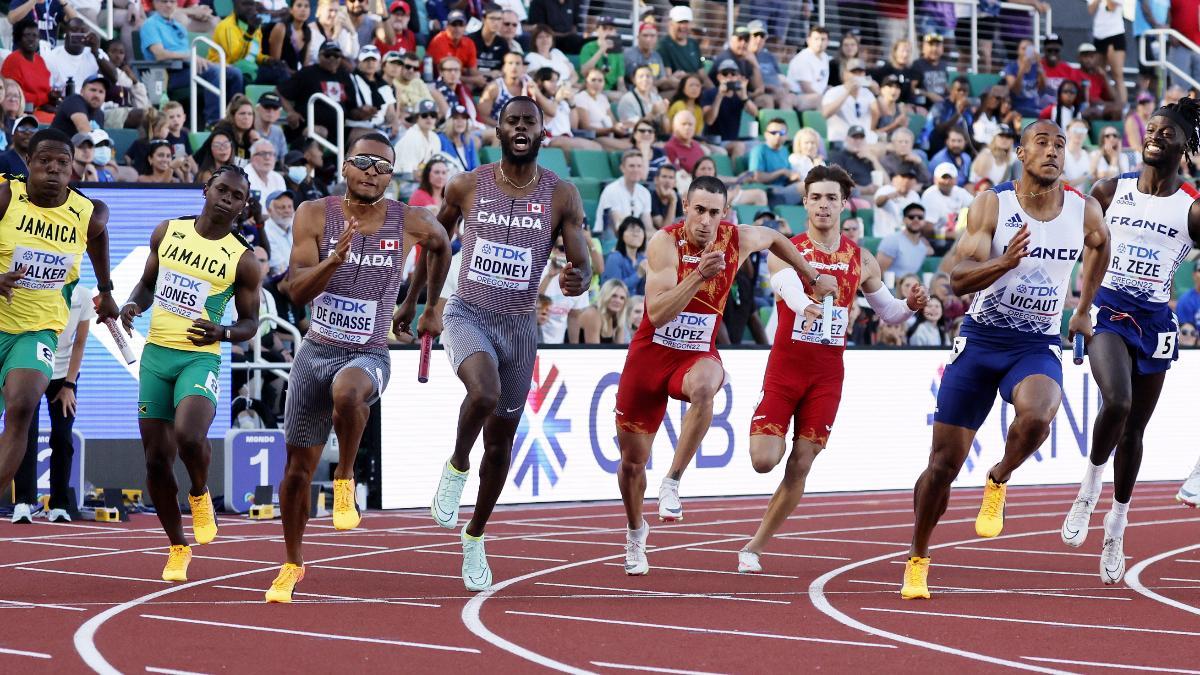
(44, 228)
(803, 380)
(347, 257)
(196, 264)
(1022, 241)
(673, 354)
(514, 211)
(1154, 220)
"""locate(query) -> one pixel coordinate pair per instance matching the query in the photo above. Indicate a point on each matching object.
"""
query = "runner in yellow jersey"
(45, 226)
(197, 264)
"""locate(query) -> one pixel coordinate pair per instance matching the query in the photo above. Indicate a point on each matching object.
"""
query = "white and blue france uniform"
(1150, 239)
(1013, 327)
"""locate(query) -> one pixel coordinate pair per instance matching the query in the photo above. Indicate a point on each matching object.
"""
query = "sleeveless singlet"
(49, 244)
(355, 309)
(195, 280)
(695, 328)
(505, 243)
(1030, 297)
(1149, 240)
(795, 332)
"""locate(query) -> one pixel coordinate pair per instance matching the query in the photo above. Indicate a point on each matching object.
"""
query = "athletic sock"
(638, 530)
(671, 481)
(1092, 480)
(1114, 525)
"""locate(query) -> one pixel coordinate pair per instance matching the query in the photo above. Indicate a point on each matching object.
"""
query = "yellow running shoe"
(916, 572)
(281, 588)
(345, 515)
(991, 513)
(204, 520)
(177, 563)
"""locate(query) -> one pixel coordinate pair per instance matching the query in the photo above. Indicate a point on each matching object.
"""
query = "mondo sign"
(566, 447)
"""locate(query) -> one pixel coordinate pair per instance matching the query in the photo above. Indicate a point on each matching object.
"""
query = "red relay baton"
(423, 366)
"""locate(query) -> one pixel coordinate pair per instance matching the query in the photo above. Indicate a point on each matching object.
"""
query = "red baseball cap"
(400, 5)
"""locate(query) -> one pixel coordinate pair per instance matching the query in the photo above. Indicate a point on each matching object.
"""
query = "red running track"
(388, 598)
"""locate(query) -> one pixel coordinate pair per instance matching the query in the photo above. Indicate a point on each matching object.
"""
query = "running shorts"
(509, 339)
(309, 411)
(167, 376)
(808, 398)
(32, 351)
(652, 375)
(1152, 337)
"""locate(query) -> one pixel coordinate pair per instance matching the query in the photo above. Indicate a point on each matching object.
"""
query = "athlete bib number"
(689, 332)
(181, 294)
(1165, 348)
(343, 319)
(44, 270)
(809, 330)
(500, 265)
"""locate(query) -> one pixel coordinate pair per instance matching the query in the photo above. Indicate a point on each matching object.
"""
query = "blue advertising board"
(253, 457)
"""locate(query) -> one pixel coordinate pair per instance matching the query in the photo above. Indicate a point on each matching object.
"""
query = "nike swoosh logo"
(1070, 532)
(485, 201)
(514, 409)
(671, 510)
(447, 515)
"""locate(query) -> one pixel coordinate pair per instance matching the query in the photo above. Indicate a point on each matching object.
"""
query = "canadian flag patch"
(389, 244)
(535, 208)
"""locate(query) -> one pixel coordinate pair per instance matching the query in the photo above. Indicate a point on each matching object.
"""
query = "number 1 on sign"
(261, 461)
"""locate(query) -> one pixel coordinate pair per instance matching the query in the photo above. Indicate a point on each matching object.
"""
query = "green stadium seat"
(614, 162)
(741, 165)
(589, 188)
(122, 139)
(745, 213)
(589, 210)
(981, 82)
(198, 139)
(724, 165)
(867, 216)
(767, 114)
(1183, 277)
(591, 164)
(555, 160)
(916, 124)
(223, 8)
(796, 216)
(871, 244)
(930, 264)
(746, 130)
(489, 154)
(815, 121)
(255, 91)
(1098, 127)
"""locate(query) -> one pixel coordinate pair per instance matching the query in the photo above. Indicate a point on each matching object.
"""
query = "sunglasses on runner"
(364, 162)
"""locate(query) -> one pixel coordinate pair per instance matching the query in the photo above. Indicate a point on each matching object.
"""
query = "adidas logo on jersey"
(1126, 200)
(1015, 221)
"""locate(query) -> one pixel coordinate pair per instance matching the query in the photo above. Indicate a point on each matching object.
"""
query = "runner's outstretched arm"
(977, 270)
(458, 191)
(1095, 263)
(97, 250)
(753, 238)
(142, 295)
(435, 251)
(577, 275)
(309, 275)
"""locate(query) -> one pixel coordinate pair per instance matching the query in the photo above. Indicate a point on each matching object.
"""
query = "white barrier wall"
(566, 449)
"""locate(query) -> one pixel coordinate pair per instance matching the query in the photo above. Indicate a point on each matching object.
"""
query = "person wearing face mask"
(303, 167)
(82, 169)
(102, 157)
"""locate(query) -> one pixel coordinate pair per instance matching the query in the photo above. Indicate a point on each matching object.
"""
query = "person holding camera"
(849, 104)
(604, 52)
(724, 104)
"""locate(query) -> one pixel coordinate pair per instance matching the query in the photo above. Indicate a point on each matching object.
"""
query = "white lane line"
(92, 574)
(704, 571)
(34, 542)
(576, 541)
(1036, 622)
(493, 555)
(835, 540)
(643, 593)
(407, 574)
(651, 669)
(22, 603)
(1184, 560)
(1190, 581)
(1000, 549)
(330, 543)
(305, 633)
(213, 557)
(21, 652)
(170, 671)
(697, 629)
(1054, 593)
(1006, 569)
(1134, 581)
(785, 555)
(323, 596)
(1121, 666)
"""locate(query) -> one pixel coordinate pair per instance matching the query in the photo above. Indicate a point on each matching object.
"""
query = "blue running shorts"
(1152, 336)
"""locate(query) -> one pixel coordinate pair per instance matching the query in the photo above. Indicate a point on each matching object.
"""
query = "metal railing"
(196, 80)
(257, 365)
(311, 132)
(914, 15)
(1160, 36)
(106, 33)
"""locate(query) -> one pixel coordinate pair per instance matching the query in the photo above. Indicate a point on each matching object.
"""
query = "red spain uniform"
(659, 358)
(803, 381)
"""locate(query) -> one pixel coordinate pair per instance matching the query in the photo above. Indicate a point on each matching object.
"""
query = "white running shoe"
(1075, 526)
(748, 562)
(1112, 558)
(669, 506)
(23, 514)
(1189, 492)
(476, 573)
(636, 563)
(448, 495)
(58, 516)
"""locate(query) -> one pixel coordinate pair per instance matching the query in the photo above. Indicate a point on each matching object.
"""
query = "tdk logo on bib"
(181, 281)
(344, 304)
(500, 265)
(44, 270)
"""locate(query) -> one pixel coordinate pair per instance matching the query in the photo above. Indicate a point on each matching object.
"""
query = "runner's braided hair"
(1186, 114)
(227, 168)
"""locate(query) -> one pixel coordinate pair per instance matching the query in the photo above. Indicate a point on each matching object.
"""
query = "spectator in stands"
(665, 205)
(240, 35)
(490, 48)
(770, 73)
(952, 112)
(987, 116)
(627, 262)
(77, 57)
(545, 55)
(561, 125)
(514, 83)
(373, 96)
(333, 25)
(891, 200)
(239, 122)
(595, 114)
(420, 143)
(930, 328)
(368, 26)
(806, 152)
(933, 83)
(1067, 105)
(737, 50)
(294, 42)
(769, 165)
(855, 160)
(643, 102)
(643, 53)
(264, 179)
(562, 17)
(604, 52)
(1108, 161)
(12, 107)
(216, 152)
(1187, 307)
(1077, 162)
(281, 211)
(510, 26)
(849, 104)
(991, 28)
(102, 157)
(1054, 70)
(848, 48)
(1135, 122)
(680, 52)
(1023, 77)
(49, 16)
(944, 199)
(724, 104)
(808, 71)
(625, 197)
(899, 66)
(904, 251)
(398, 37)
(889, 113)
(165, 39)
(852, 229)
(304, 169)
(80, 113)
(176, 117)
(12, 160)
(159, 161)
(325, 77)
(156, 127)
(453, 42)
(955, 153)
(953, 307)
(738, 196)
(266, 118)
(687, 97)
(637, 311)
(682, 149)
(432, 188)
(1102, 100)
(27, 67)
(1187, 335)
(82, 169)
(1108, 35)
(458, 141)
(900, 151)
(606, 321)
(410, 89)
(563, 322)
(643, 142)
(996, 162)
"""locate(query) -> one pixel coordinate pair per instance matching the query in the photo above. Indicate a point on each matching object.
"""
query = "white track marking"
(305, 633)
(1121, 666)
(1053, 593)
(697, 629)
(1134, 581)
(650, 669)
(1020, 570)
(165, 554)
(493, 555)
(324, 596)
(785, 555)
(93, 574)
(400, 572)
(665, 594)
(330, 543)
(22, 603)
(704, 571)
(1036, 622)
(170, 671)
(21, 652)
(1000, 549)
(845, 541)
(55, 543)
(576, 541)
(1183, 560)
(1190, 581)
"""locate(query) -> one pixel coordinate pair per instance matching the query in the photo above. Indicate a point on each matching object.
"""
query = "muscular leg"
(192, 420)
(351, 390)
(23, 389)
(788, 495)
(631, 476)
(498, 434)
(700, 385)
(766, 452)
(1146, 389)
(1035, 400)
(481, 376)
(158, 442)
(932, 493)
(294, 497)
(1112, 368)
